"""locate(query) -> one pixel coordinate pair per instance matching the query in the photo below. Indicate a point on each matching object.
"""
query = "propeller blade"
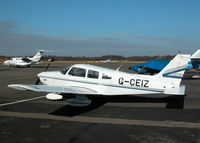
(47, 67)
(37, 82)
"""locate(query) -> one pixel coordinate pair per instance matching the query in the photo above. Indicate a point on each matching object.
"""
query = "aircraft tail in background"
(196, 55)
(37, 56)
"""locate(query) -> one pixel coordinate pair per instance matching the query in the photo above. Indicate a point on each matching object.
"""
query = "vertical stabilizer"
(196, 55)
(37, 56)
(173, 73)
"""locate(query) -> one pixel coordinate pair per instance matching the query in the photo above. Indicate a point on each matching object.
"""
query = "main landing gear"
(79, 101)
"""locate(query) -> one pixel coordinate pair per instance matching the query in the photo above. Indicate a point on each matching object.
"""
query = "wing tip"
(17, 86)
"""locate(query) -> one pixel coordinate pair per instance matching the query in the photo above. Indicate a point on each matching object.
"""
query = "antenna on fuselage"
(119, 67)
(140, 70)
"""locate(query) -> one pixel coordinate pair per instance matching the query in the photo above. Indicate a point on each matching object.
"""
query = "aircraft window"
(104, 76)
(64, 71)
(77, 72)
(93, 74)
(26, 60)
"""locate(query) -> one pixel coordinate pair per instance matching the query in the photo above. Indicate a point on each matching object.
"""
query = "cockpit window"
(104, 76)
(64, 71)
(93, 74)
(77, 72)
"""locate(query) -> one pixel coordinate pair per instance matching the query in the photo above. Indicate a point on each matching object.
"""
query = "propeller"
(46, 68)
(38, 81)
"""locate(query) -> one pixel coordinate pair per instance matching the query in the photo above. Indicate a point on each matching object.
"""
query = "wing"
(54, 89)
(138, 69)
(152, 66)
(150, 70)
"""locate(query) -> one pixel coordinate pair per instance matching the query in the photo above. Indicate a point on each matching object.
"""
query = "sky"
(99, 27)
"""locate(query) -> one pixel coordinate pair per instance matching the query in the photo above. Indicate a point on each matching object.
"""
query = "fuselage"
(24, 61)
(20, 61)
(103, 81)
(16, 62)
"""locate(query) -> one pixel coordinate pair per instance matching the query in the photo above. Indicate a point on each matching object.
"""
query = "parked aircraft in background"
(156, 65)
(151, 67)
(24, 61)
(84, 79)
(195, 60)
(108, 61)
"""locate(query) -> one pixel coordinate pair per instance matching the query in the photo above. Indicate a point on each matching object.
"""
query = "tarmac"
(27, 116)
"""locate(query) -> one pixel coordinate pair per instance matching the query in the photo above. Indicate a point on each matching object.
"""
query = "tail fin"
(195, 60)
(172, 74)
(196, 55)
(38, 55)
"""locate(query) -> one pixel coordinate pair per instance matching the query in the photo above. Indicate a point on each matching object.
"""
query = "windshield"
(64, 71)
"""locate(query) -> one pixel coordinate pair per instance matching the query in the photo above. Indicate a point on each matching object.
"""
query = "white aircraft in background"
(84, 79)
(24, 61)
(108, 61)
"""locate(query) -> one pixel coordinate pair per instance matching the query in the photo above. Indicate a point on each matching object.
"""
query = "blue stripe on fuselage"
(117, 86)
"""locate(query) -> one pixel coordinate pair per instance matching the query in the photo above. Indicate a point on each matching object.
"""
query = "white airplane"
(24, 61)
(108, 61)
(84, 79)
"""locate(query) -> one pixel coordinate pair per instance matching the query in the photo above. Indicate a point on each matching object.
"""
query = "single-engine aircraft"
(156, 65)
(84, 79)
(24, 61)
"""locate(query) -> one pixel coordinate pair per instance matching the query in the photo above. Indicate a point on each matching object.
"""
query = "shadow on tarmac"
(172, 102)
